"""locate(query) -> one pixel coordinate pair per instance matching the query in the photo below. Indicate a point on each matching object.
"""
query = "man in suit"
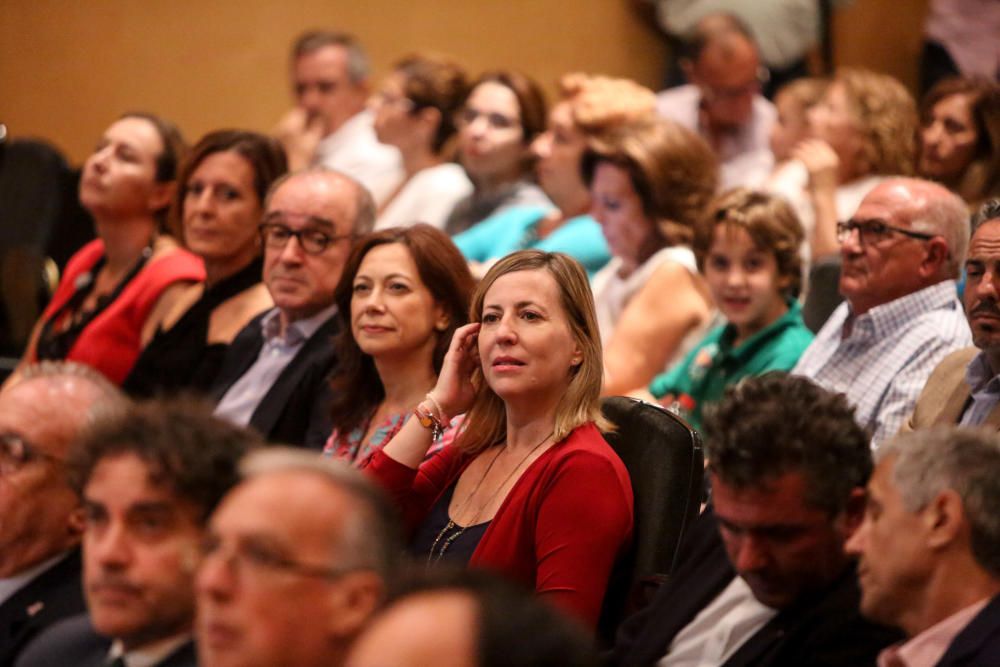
(965, 388)
(41, 415)
(297, 558)
(763, 578)
(148, 479)
(929, 547)
(274, 375)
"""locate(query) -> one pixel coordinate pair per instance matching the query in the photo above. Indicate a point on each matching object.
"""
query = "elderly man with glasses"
(273, 377)
(901, 254)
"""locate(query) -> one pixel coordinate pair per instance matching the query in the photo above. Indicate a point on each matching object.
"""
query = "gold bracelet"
(441, 416)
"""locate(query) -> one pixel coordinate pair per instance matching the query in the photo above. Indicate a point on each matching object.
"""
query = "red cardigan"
(560, 528)
(112, 341)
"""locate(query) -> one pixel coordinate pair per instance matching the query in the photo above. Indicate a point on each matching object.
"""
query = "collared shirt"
(745, 157)
(354, 150)
(720, 629)
(984, 385)
(882, 359)
(239, 403)
(149, 655)
(11, 585)
(927, 648)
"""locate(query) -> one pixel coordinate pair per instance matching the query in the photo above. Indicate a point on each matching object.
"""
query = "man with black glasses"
(901, 254)
(274, 374)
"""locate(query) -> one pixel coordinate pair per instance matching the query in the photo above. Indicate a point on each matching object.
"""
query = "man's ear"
(944, 519)
(355, 597)
(935, 258)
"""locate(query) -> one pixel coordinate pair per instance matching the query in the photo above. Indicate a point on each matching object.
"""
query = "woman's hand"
(454, 390)
(300, 134)
(821, 162)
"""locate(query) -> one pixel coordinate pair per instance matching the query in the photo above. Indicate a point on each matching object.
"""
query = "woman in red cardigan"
(530, 488)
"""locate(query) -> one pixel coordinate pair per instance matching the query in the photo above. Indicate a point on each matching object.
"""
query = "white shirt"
(720, 629)
(745, 157)
(354, 150)
(429, 196)
(149, 655)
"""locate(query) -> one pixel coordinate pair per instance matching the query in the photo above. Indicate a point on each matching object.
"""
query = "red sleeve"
(584, 521)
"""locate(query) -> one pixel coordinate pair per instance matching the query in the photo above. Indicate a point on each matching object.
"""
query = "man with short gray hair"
(298, 556)
(965, 387)
(43, 412)
(929, 547)
(901, 253)
(329, 125)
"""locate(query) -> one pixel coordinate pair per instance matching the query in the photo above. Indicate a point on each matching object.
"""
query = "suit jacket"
(53, 595)
(823, 630)
(73, 642)
(978, 644)
(946, 394)
(298, 402)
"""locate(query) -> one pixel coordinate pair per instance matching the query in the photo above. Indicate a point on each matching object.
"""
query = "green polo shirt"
(701, 377)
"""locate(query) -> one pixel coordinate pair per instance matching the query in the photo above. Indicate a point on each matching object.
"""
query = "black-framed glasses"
(313, 241)
(17, 452)
(497, 121)
(250, 557)
(875, 231)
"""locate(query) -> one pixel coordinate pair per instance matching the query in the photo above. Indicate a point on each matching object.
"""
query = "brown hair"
(887, 119)
(264, 154)
(436, 83)
(530, 99)
(173, 153)
(599, 104)
(673, 171)
(981, 179)
(770, 222)
(356, 385)
(486, 423)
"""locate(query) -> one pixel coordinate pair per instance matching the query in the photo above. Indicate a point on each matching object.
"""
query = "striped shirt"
(882, 359)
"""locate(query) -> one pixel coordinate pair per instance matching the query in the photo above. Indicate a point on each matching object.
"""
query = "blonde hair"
(486, 421)
(601, 103)
(887, 119)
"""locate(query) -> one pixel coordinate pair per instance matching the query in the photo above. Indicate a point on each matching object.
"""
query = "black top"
(180, 358)
(439, 539)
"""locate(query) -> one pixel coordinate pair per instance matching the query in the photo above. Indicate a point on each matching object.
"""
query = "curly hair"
(887, 119)
(776, 423)
(600, 103)
(437, 83)
(768, 219)
(673, 171)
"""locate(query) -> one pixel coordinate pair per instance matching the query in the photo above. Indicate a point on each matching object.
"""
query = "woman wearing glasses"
(219, 204)
(118, 287)
(502, 115)
(415, 111)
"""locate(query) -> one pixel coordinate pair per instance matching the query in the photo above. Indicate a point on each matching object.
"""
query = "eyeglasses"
(871, 232)
(16, 452)
(255, 559)
(388, 99)
(715, 93)
(313, 241)
(497, 121)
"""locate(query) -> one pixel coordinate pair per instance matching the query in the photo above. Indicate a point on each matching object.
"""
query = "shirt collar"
(883, 320)
(149, 655)
(298, 331)
(749, 347)
(979, 375)
(11, 585)
(927, 648)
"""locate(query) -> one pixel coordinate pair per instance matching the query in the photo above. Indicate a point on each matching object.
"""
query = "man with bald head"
(722, 102)
(42, 413)
(274, 374)
(901, 254)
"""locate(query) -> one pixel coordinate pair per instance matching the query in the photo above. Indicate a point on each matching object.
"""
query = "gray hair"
(990, 210)
(358, 67)
(944, 213)
(370, 536)
(965, 460)
(364, 204)
(104, 399)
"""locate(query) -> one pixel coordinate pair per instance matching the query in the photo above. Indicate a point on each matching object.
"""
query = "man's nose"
(751, 555)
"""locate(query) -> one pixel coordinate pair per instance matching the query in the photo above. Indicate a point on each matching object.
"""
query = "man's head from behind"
(982, 282)
(42, 413)
(297, 559)
(149, 479)
(906, 235)
(330, 75)
(721, 59)
(469, 618)
(788, 465)
(310, 219)
(930, 541)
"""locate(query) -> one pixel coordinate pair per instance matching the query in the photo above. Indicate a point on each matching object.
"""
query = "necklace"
(445, 542)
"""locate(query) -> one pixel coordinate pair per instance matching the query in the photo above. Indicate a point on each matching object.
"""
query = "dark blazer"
(298, 402)
(978, 644)
(74, 642)
(53, 595)
(824, 630)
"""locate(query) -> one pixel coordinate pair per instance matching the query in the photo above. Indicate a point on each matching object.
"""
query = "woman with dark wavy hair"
(403, 293)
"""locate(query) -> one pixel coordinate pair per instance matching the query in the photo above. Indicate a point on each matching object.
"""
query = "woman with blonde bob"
(530, 488)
